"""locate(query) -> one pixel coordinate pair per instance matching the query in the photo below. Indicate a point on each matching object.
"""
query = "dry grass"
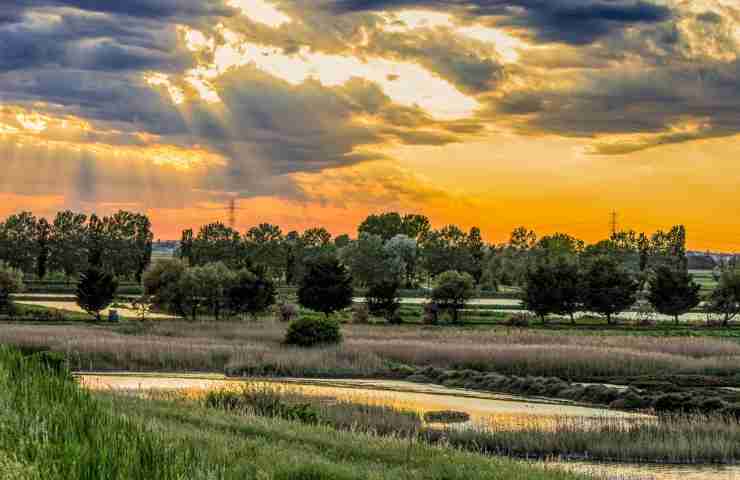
(369, 351)
(683, 439)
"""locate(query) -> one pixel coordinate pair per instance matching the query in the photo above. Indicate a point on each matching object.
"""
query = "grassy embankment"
(52, 429)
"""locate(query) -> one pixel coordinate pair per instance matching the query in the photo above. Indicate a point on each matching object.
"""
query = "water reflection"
(500, 411)
(617, 471)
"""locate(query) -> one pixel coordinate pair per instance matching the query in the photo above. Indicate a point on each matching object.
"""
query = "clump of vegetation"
(446, 416)
(688, 439)
(292, 404)
(96, 291)
(360, 314)
(11, 281)
(287, 312)
(311, 331)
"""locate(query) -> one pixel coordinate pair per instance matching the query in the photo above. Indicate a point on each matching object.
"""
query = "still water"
(483, 408)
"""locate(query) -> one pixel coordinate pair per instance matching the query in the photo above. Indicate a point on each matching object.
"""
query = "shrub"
(287, 312)
(446, 416)
(312, 331)
(430, 314)
(360, 314)
(518, 320)
(11, 281)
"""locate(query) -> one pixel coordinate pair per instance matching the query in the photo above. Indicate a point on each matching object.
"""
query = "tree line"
(74, 242)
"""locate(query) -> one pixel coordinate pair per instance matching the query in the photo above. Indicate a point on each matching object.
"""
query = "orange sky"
(308, 116)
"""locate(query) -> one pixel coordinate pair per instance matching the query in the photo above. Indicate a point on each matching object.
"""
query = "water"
(483, 408)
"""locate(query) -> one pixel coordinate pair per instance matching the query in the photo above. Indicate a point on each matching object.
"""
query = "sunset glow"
(497, 114)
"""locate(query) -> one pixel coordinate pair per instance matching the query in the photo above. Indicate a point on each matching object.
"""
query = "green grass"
(53, 430)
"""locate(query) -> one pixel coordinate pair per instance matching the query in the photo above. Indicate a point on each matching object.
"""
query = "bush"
(312, 331)
(286, 312)
(431, 313)
(11, 281)
(518, 320)
(360, 314)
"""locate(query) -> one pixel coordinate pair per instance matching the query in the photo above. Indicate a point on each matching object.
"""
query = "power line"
(614, 223)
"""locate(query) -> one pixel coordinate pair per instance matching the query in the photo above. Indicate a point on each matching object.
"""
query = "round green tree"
(672, 291)
(453, 291)
(608, 289)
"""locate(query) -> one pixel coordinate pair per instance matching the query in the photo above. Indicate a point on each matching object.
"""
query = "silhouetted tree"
(326, 286)
(96, 290)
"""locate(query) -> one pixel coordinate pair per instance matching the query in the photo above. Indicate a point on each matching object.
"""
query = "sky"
(496, 113)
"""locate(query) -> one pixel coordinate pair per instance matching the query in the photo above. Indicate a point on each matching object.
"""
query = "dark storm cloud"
(572, 21)
(161, 9)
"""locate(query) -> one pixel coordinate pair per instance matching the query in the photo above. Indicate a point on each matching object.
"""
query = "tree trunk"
(572, 318)
(675, 318)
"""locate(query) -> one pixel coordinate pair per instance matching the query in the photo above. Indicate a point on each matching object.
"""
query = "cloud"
(570, 21)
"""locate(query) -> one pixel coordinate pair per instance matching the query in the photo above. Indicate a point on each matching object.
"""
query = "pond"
(509, 411)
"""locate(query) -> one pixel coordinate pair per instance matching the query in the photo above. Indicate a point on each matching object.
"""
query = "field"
(255, 348)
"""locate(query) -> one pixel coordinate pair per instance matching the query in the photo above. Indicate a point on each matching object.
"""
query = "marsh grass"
(51, 429)
(256, 348)
(293, 404)
(686, 439)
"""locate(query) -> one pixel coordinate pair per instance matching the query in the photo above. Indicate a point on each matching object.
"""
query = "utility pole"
(614, 223)
(232, 212)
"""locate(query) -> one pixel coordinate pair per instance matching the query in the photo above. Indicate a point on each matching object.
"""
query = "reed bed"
(256, 348)
(51, 429)
(686, 439)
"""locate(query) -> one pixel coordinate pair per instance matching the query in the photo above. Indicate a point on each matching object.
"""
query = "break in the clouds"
(179, 102)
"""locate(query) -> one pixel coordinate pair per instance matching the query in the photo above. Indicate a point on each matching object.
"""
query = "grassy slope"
(51, 429)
